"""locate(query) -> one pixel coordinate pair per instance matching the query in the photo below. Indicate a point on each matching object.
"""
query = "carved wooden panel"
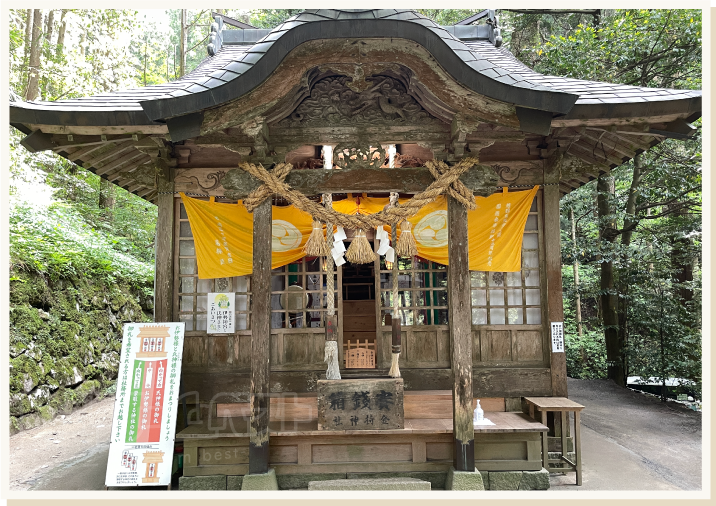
(333, 101)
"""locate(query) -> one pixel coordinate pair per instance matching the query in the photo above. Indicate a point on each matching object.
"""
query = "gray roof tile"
(261, 47)
(252, 57)
(480, 55)
(238, 67)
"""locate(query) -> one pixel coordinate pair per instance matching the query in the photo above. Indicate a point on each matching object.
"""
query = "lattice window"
(190, 292)
(422, 291)
(511, 298)
(298, 294)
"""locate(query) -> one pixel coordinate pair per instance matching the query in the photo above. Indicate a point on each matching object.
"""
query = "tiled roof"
(590, 92)
(492, 71)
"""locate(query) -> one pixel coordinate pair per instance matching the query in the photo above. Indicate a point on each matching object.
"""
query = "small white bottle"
(478, 415)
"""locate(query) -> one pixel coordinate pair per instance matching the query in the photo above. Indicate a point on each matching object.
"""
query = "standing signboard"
(142, 441)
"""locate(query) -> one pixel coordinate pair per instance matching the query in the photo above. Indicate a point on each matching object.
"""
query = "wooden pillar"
(553, 264)
(260, 336)
(459, 318)
(164, 248)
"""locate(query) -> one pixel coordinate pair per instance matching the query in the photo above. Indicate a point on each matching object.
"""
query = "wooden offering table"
(563, 406)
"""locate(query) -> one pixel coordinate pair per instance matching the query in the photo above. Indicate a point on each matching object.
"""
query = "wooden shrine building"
(417, 99)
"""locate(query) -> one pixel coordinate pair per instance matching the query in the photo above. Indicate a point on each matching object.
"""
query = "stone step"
(371, 484)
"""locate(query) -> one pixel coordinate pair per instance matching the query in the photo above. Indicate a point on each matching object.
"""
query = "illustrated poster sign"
(557, 337)
(142, 441)
(221, 313)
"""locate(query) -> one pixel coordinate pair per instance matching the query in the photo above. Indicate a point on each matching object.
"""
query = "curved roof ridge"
(235, 70)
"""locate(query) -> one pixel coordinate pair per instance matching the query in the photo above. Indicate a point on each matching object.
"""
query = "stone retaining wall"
(65, 341)
(493, 480)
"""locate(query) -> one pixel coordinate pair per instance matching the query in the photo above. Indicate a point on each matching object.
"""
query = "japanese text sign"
(142, 440)
(361, 404)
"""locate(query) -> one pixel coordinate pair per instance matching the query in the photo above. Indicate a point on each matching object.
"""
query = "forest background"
(82, 251)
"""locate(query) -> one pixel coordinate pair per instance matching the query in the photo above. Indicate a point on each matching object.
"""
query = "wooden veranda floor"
(219, 445)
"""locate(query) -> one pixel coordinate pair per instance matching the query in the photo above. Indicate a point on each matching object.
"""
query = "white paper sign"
(557, 337)
(384, 247)
(390, 255)
(220, 315)
(141, 448)
(340, 261)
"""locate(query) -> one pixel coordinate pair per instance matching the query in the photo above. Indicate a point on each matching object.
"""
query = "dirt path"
(38, 451)
(663, 438)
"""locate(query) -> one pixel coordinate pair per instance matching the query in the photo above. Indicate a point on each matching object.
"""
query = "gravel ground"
(41, 450)
(631, 441)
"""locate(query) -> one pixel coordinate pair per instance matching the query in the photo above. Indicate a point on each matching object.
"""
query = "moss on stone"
(20, 404)
(86, 392)
(47, 413)
(15, 426)
(66, 331)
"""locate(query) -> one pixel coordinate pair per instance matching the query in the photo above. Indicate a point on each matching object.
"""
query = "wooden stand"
(564, 406)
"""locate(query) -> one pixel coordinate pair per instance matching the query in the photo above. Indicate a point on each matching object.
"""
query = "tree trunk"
(49, 25)
(32, 91)
(28, 34)
(61, 34)
(106, 194)
(575, 268)
(182, 46)
(623, 285)
(608, 297)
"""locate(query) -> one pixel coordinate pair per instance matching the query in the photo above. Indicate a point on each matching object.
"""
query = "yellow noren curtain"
(223, 233)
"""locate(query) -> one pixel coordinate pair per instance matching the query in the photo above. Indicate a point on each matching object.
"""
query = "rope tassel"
(360, 252)
(316, 245)
(406, 247)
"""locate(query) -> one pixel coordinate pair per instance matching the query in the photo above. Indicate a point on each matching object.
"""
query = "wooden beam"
(260, 334)
(581, 152)
(116, 150)
(79, 153)
(238, 183)
(611, 141)
(553, 264)
(598, 152)
(78, 141)
(104, 169)
(130, 167)
(164, 250)
(460, 319)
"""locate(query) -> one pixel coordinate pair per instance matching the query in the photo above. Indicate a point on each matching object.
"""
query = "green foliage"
(447, 17)
(639, 47)
(657, 251)
(58, 242)
(271, 18)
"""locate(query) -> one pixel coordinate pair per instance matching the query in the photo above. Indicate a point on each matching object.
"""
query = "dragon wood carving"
(333, 102)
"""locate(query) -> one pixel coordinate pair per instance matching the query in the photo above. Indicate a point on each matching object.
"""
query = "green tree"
(646, 227)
